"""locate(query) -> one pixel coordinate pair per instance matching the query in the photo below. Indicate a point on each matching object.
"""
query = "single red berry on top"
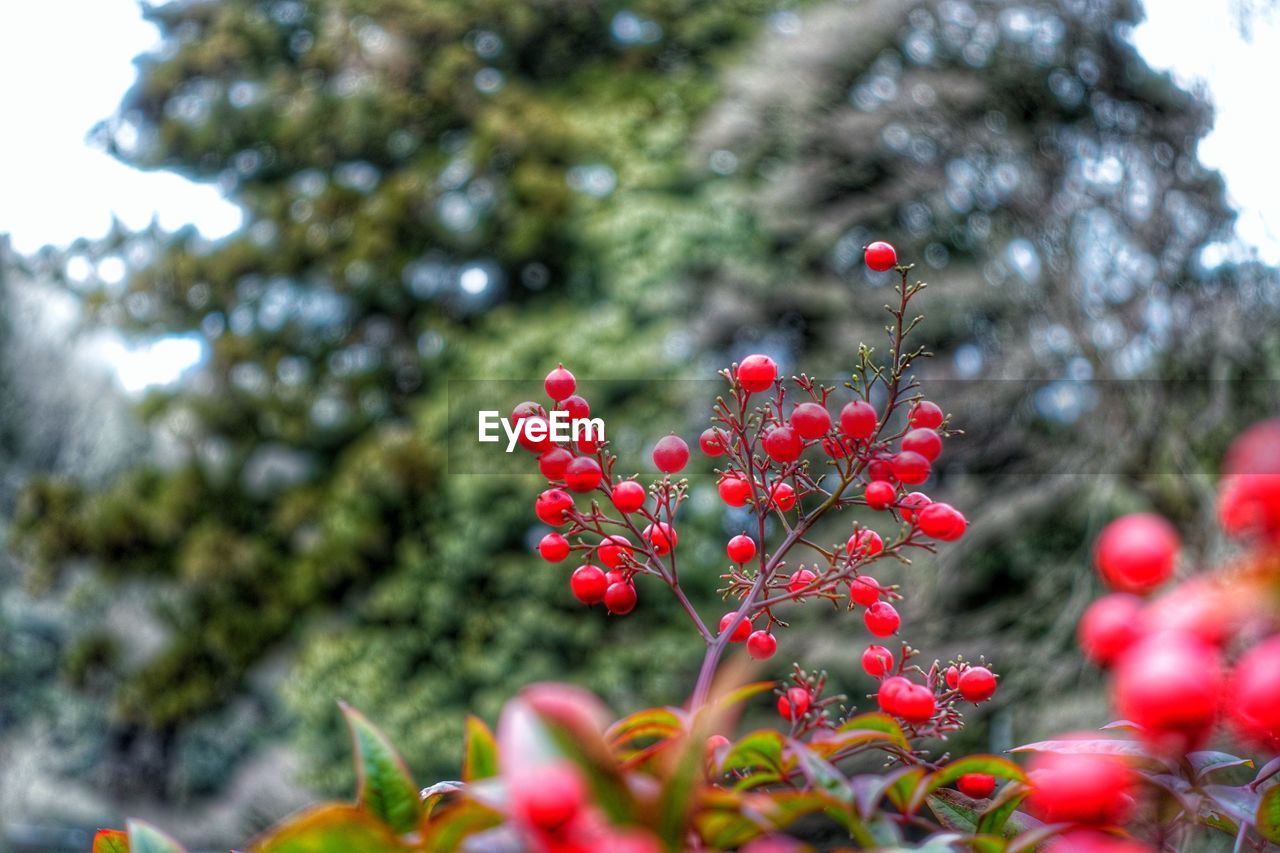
(880, 256)
(549, 797)
(880, 494)
(553, 547)
(976, 785)
(783, 444)
(782, 496)
(877, 661)
(757, 372)
(916, 704)
(662, 537)
(911, 505)
(1253, 695)
(620, 598)
(583, 474)
(811, 420)
(881, 619)
(734, 491)
(552, 507)
(976, 684)
(553, 462)
(942, 521)
(858, 420)
(577, 407)
(560, 384)
(865, 590)
(864, 543)
(588, 584)
(740, 633)
(910, 467)
(925, 415)
(794, 704)
(628, 496)
(713, 441)
(800, 580)
(741, 548)
(670, 454)
(1109, 626)
(761, 645)
(1136, 553)
(953, 676)
(924, 441)
(613, 549)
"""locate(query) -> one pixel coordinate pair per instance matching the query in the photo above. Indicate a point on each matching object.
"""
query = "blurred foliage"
(441, 190)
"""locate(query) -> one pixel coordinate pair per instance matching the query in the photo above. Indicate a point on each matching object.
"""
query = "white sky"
(64, 65)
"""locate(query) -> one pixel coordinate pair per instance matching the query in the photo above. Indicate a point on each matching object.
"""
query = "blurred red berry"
(761, 645)
(588, 584)
(613, 549)
(1080, 788)
(620, 598)
(662, 537)
(553, 462)
(713, 441)
(1253, 696)
(1170, 684)
(865, 590)
(794, 703)
(1090, 841)
(734, 491)
(952, 676)
(782, 496)
(757, 373)
(915, 704)
(783, 444)
(881, 469)
(1109, 626)
(800, 580)
(942, 521)
(881, 619)
(552, 505)
(910, 506)
(553, 548)
(576, 406)
(890, 690)
(740, 633)
(1136, 553)
(880, 256)
(925, 415)
(976, 785)
(559, 384)
(527, 409)
(628, 496)
(583, 474)
(811, 420)
(858, 420)
(877, 661)
(910, 467)
(977, 684)
(880, 495)
(548, 798)
(671, 454)
(924, 441)
(864, 543)
(741, 548)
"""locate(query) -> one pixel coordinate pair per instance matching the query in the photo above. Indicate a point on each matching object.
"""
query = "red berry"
(613, 549)
(616, 576)
(560, 384)
(1080, 788)
(535, 434)
(925, 415)
(1136, 553)
(715, 743)
(865, 590)
(553, 462)
(670, 454)
(553, 548)
(858, 420)
(620, 598)
(735, 491)
(800, 580)
(924, 441)
(880, 495)
(877, 661)
(811, 420)
(662, 537)
(881, 619)
(976, 684)
(880, 256)
(583, 474)
(941, 521)
(839, 447)
(552, 507)
(1253, 696)
(912, 504)
(1109, 626)
(549, 797)
(588, 584)
(740, 633)
(910, 467)
(628, 496)
(890, 690)
(577, 407)
(741, 548)
(713, 441)
(1252, 470)
(794, 704)
(915, 704)
(1209, 611)
(527, 409)
(1091, 841)
(976, 785)
(782, 496)
(757, 372)
(881, 468)
(761, 645)
(1170, 684)
(864, 543)
(952, 676)
(783, 444)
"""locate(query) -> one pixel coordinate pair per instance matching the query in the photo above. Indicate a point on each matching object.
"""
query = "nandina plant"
(562, 773)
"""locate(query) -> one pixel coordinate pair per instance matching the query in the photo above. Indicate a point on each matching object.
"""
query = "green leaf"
(661, 723)
(761, 749)
(1003, 807)
(953, 810)
(1268, 815)
(991, 765)
(1240, 803)
(987, 843)
(1100, 746)
(386, 789)
(145, 838)
(1207, 762)
(458, 821)
(481, 753)
(330, 828)
(902, 790)
(822, 774)
(111, 841)
(877, 723)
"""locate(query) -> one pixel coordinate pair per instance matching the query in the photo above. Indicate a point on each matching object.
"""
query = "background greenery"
(644, 191)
